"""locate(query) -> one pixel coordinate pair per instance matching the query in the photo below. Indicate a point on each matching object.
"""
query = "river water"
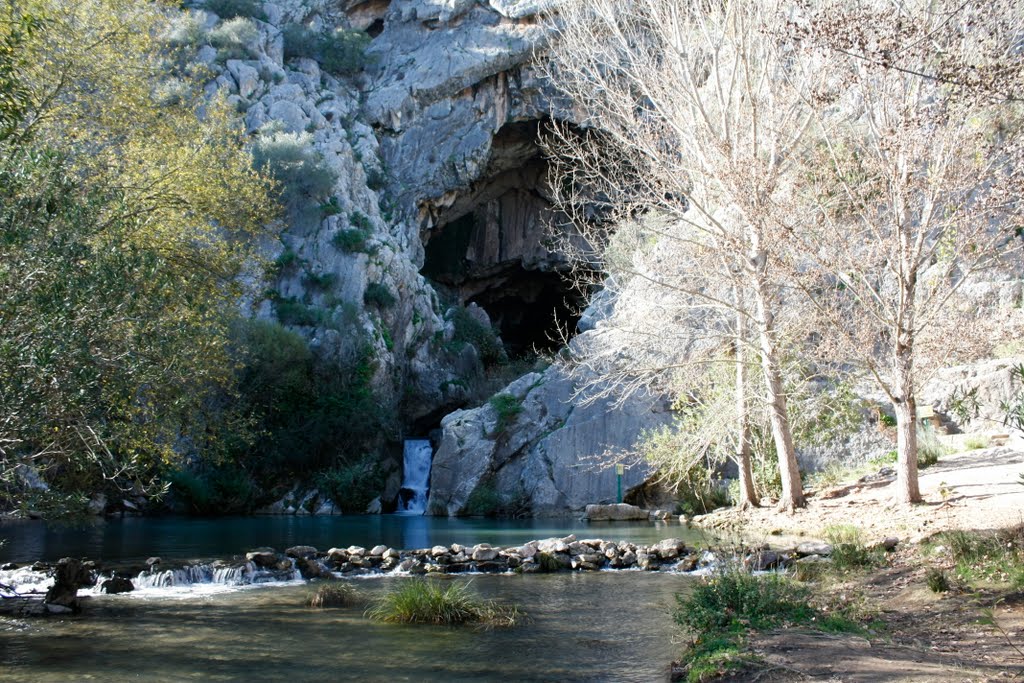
(133, 538)
(593, 626)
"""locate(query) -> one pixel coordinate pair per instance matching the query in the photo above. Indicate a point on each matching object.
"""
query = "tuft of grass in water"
(334, 594)
(429, 602)
(848, 548)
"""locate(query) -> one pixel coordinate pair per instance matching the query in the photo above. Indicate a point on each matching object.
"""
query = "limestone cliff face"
(434, 147)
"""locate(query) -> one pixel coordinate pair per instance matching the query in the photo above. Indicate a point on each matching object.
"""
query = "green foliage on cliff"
(341, 52)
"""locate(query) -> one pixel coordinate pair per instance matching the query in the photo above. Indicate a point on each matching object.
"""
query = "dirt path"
(920, 635)
(977, 489)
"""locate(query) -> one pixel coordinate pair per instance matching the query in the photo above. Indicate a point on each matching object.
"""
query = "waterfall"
(412, 497)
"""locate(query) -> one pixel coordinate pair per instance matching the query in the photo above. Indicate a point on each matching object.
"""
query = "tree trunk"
(905, 407)
(792, 496)
(748, 497)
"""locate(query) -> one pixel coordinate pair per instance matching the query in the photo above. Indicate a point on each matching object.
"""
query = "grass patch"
(507, 407)
(334, 594)
(929, 448)
(724, 608)
(973, 443)
(848, 548)
(996, 558)
(428, 602)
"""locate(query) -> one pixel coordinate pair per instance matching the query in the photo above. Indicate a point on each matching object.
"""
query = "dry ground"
(918, 635)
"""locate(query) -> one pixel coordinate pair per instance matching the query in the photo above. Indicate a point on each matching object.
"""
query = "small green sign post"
(618, 474)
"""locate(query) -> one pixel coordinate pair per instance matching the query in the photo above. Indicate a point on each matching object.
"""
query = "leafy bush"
(291, 160)
(848, 549)
(341, 52)
(216, 490)
(333, 594)
(306, 408)
(377, 294)
(484, 501)
(469, 330)
(229, 9)
(696, 491)
(235, 38)
(319, 280)
(352, 487)
(426, 602)
(351, 240)
(292, 312)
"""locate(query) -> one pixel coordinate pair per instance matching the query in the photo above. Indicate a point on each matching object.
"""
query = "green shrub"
(216, 490)
(307, 409)
(352, 487)
(351, 240)
(294, 313)
(235, 38)
(299, 169)
(484, 501)
(361, 221)
(734, 600)
(848, 548)
(937, 580)
(229, 9)
(341, 52)
(469, 330)
(377, 294)
(319, 280)
(426, 602)
(884, 460)
(287, 259)
(887, 420)
(507, 407)
(330, 207)
(333, 594)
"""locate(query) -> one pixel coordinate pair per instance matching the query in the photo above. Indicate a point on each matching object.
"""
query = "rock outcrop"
(548, 455)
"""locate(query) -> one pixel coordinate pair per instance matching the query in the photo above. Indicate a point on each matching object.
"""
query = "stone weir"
(306, 562)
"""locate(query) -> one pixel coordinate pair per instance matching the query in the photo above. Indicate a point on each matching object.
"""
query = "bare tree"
(916, 183)
(689, 113)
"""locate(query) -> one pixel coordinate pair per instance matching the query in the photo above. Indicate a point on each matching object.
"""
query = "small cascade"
(412, 497)
(216, 573)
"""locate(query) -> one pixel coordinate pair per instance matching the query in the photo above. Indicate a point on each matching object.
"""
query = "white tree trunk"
(748, 496)
(792, 496)
(905, 407)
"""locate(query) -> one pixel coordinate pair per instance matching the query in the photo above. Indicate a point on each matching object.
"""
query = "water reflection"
(132, 539)
(585, 627)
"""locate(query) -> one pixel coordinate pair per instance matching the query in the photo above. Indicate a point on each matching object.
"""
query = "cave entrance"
(490, 246)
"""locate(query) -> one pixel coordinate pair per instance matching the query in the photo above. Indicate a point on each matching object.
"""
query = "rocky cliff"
(435, 205)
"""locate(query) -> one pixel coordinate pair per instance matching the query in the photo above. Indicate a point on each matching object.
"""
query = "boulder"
(615, 512)
(310, 568)
(69, 575)
(484, 553)
(301, 551)
(669, 548)
(117, 584)
(813, 548)
(262, 557)
(378, 550)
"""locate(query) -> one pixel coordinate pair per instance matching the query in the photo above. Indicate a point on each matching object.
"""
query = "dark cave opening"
(492, 246)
